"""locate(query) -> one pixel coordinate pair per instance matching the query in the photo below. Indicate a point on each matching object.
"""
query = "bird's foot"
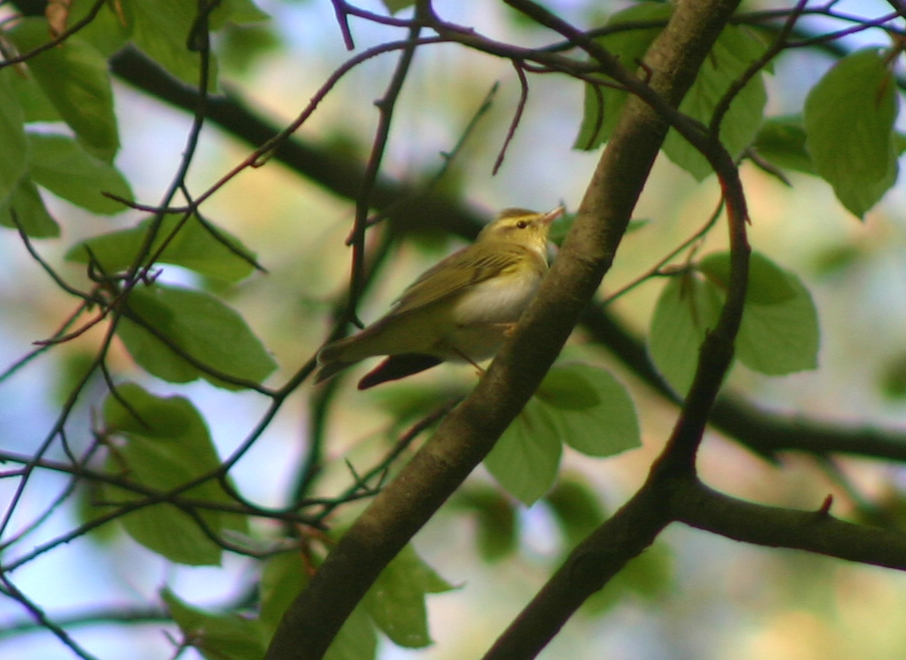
(479, 371)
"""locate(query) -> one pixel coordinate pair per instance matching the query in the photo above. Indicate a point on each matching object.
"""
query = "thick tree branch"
(815, 531)
(600, 556)
(672, 491)
(673, 61)
(588, 568)
(468, 433)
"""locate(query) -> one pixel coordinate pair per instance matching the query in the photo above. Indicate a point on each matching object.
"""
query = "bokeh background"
(713, 599)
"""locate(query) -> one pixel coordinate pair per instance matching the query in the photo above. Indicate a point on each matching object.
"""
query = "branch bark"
(814, 531)
(674, 60)
(469, 432)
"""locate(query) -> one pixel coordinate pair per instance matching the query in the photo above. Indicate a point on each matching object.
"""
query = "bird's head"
(521, 227)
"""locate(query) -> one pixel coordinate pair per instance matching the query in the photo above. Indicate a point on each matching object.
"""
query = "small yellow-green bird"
(460, 310)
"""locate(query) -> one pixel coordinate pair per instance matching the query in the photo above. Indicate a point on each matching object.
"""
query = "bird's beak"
(550, 216)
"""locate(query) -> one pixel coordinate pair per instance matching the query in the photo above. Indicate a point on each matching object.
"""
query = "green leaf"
(565, 388)
(576, 403)
(87, 511)
(526, 457)
(849, 121)
(163, 528)
(14, 163)
(59, 164)
(899, 142)
(686, 309)
(31, 214)
(892, 381)
(217, 636)
(35, 104)
(837, 258)
(357, 639)
(576, 509)
(394, 6)
(198, 325)
(162, 444)
(106, 32)
(781, 141)
(768, 283)
(193, 246)
(560, 228)
(598, 112)
(497, 525)
(649, 575)
(781, 337)
(406, 404)
(161, 29)
(237, 12)
(603, 104)
(779, 331)
(282, 578)
(396, 601)
(735, 49)
(75, 78)
(240, 47)
(591, 410)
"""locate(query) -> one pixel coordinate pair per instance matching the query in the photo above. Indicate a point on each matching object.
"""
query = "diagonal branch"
(469, 432)
(673, 60)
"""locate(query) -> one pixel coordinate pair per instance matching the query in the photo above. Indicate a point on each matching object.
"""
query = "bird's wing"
(458, 272)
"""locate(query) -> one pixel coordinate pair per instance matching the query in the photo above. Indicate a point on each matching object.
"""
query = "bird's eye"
(522, 224)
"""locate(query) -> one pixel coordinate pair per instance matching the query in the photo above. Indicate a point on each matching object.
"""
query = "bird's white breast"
(500, 299)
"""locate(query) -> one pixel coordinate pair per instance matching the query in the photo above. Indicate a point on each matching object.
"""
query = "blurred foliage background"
(692, 596)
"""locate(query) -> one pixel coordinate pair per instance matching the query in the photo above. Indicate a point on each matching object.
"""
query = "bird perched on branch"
(460, 310)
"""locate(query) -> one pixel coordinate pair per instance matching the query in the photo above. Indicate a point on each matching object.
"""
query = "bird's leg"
(507, 329)
(470, 361)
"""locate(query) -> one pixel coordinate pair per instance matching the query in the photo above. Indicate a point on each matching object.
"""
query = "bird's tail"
(330, 370)
(330, 360)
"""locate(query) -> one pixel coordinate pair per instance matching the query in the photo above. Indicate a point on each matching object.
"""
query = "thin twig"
(386, 106)
(65, 411)
(656, 269)
(44, 346)
(723, 105)
(382, 465)
(448, 158)
(97, 617)
(59, 39)
(46, 622)
(517, 115)
(340, 8)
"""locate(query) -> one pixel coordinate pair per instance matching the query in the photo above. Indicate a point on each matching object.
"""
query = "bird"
(460, 310)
